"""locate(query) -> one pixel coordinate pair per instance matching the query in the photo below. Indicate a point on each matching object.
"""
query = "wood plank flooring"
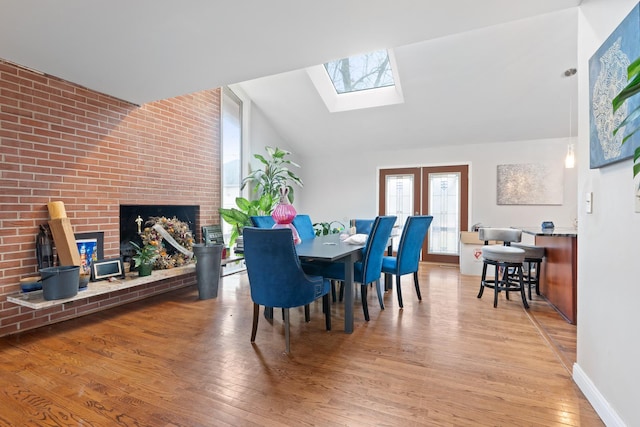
(173, 360)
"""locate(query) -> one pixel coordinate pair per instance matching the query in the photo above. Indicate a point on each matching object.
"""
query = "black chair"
(276, 277)
(504, 258)
(407, 259)
(533, 256)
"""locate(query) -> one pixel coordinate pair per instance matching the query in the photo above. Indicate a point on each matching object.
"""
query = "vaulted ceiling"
(471, 71)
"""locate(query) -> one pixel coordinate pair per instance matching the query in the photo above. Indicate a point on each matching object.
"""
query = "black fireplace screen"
(129, 226)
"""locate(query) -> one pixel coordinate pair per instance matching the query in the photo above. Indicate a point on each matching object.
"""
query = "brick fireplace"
(60, 141)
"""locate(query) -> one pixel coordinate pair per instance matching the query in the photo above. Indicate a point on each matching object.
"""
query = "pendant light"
(570, 159)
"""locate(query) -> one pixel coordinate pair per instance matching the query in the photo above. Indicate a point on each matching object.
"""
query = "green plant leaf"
(243, 203)
(627, 92)
(632, 87)
(261, 158)
(234, 217)
(636, 166)
(629, 135)
(630, 118)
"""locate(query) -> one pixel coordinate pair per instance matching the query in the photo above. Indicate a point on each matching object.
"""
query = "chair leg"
(307, 315)
(341, 291)
(417, 284)
(285, 311)
(524, 297)
(365, 306)
(326, 304)
(256, 314)
(380, 292)
(505, 281)
(333, 290)
(399, 291)
(496, 287)
(483, 279)
(529, 277)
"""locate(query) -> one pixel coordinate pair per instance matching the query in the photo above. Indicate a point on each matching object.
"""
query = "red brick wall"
(60, 141)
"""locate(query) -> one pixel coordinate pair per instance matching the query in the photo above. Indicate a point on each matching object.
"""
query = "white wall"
(342, 187)
(608, 365)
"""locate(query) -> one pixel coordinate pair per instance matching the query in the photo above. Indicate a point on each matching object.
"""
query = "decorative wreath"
(159, 229)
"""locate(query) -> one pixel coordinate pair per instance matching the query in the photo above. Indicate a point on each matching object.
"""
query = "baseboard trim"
(597, 400)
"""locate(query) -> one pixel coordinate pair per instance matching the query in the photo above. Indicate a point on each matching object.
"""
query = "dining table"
(331, 248)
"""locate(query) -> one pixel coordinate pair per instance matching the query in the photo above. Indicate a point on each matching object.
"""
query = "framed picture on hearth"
(91, 249)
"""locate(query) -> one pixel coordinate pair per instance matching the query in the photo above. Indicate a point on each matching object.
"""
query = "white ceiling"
(471, 71)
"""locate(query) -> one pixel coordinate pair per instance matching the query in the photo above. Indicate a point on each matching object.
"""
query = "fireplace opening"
(129, 227)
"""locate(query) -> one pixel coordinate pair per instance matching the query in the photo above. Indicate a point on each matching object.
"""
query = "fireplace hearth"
(129, 227)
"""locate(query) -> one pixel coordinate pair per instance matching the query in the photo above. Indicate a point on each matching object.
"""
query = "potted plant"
(324, 228)
(239, 217)
(276, 174)
(144, 258)
(266, 184)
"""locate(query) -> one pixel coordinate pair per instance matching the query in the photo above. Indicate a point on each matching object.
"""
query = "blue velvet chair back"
(275, 275)
(363, 226)
(369, 269)
(304, 226)
(263, 221)
(374, 250)
(411, 240)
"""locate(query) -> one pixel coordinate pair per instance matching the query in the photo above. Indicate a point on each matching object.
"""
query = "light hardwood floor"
(173, 360)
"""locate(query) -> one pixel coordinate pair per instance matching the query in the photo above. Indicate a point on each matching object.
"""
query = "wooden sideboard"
(558, 282)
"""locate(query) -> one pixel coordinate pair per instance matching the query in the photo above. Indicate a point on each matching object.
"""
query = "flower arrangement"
(178, 230)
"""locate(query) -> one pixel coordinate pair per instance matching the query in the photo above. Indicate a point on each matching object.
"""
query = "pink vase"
(284, 213)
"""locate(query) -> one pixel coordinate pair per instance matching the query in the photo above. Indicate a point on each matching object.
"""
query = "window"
(367, 71)
(362, 81)
(231, 153)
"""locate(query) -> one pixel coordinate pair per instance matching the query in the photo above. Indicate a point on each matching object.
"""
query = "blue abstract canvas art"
(607, 76)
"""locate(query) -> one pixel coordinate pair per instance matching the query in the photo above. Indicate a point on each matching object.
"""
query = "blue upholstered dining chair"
(304, 226)
(262, 221)
(363, 226)
(369, 268)
(276, 278)
(407, 258)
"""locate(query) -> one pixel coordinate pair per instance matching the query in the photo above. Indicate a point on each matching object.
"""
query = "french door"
(442, 192)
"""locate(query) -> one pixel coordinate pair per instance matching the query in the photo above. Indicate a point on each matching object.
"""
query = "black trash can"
(208, 259)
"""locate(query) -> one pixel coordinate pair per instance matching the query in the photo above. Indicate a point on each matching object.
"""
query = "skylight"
(362, 81)
(361, 72)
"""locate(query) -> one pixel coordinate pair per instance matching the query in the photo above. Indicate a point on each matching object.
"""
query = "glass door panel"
(444, 206)
(446, 197)
(400, 195)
